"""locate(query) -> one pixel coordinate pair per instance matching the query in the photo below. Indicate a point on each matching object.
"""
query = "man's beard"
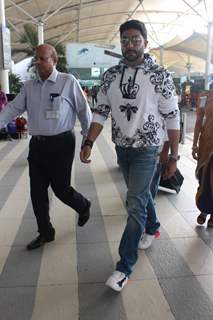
(133, 55)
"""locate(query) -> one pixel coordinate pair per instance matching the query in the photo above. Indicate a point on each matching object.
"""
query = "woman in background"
(3, 99)
(202, 151)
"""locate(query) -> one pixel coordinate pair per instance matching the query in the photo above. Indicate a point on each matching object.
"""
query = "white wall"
(21, 68)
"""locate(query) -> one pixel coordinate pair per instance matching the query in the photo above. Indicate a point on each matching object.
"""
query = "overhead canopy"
(195, 45)
(181, 55)
(98, 21)
(179, 62)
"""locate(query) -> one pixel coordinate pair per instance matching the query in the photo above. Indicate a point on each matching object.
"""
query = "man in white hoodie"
(140, 96)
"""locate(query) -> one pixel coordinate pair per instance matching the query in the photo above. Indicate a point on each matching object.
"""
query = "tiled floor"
(65, 279)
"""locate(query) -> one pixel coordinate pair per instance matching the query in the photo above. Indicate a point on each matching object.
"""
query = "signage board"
(95, 72)
(113, 54)
(89, 55)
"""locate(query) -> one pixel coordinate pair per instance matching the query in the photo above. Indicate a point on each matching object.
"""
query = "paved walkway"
(65, 280)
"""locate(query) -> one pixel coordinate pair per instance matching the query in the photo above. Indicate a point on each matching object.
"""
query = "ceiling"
(189, 54)
(97, 21)
(195, 45)
(179, 62)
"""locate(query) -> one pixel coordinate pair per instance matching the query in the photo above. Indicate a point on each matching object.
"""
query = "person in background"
(194, 95)
(3, 99)
(140, 96)
(202, 151)
(94, 92)
(52, 103)
(85, 92)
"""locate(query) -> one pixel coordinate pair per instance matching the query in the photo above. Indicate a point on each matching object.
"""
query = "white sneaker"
(146, 241)
(117, 280)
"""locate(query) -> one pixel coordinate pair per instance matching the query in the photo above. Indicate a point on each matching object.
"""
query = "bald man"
(52, 102)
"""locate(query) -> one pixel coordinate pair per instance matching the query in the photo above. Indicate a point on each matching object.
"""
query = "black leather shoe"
(84, 217)
(39, 242)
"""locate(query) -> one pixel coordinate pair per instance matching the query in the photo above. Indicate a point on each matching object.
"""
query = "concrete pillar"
(4, 74)
(208, 55)
(161, 55)
(40, 33)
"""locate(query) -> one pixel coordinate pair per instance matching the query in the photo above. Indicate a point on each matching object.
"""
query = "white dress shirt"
(60, 92)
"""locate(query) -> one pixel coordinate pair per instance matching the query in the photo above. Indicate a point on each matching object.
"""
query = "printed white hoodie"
(140, 100)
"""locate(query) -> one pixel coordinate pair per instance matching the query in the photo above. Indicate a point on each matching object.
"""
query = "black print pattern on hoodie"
(140, 101)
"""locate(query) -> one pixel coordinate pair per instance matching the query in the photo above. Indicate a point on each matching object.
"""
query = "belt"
(56, 136)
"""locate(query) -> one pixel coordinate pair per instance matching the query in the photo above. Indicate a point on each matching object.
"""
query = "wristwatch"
(88, 142)
(173, 157)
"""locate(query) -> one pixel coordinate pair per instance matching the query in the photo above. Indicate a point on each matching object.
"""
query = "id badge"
(52, 114)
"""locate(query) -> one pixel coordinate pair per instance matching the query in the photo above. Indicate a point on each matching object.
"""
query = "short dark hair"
(134, 24)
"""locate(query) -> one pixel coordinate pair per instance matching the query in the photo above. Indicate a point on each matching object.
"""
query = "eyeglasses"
(135, 40)
(43, 58)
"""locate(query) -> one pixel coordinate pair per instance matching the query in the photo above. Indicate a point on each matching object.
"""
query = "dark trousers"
(50, 164)
(94, 100)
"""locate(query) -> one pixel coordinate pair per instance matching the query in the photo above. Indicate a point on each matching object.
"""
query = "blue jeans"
(138, 166)
(152, 222)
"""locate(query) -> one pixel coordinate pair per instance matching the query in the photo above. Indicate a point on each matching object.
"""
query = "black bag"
(4, 135)
(173, 183)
